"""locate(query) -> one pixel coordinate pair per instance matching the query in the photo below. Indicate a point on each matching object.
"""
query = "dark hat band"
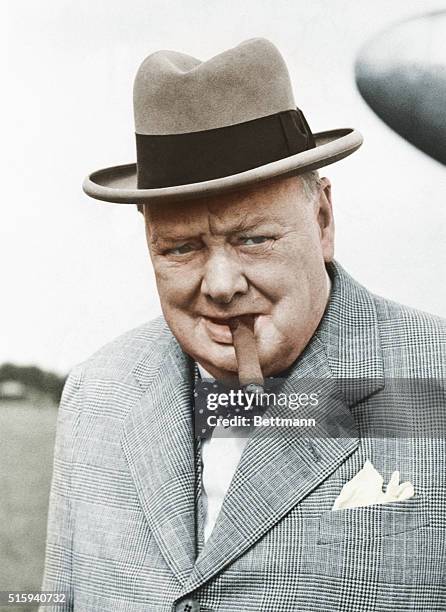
(180, 159)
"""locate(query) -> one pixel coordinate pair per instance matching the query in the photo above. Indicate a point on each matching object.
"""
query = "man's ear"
(325, 220)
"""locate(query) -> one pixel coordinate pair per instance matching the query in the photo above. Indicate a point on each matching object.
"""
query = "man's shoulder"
(358, 306)
(119, 359)
(412, 340)
(397, 318)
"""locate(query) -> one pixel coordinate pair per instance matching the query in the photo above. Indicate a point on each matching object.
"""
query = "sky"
(76, 272)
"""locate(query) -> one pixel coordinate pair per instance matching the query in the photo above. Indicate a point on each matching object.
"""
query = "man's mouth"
(218, 328)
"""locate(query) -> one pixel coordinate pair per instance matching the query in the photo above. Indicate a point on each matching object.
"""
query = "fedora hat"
(204, 128)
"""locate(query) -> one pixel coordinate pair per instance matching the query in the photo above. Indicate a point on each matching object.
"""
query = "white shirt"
(220, 456)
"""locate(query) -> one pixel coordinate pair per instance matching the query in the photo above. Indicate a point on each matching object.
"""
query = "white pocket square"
(367, 488)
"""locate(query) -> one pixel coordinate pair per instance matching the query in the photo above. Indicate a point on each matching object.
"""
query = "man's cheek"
(182, 278)
(169, 283)
(179, 302)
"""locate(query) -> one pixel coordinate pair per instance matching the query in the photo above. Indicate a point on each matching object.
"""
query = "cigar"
(249, 371)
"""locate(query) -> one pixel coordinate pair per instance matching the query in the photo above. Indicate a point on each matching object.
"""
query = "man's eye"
(251, 240)
(183, 249)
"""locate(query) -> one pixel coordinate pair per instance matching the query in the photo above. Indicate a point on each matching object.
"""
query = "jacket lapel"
(279, 468)
(158, 441)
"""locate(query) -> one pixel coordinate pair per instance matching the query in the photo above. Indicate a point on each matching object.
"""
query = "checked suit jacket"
(123, 533)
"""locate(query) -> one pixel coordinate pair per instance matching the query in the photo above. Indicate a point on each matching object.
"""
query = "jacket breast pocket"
(374, 521)
(378, 554)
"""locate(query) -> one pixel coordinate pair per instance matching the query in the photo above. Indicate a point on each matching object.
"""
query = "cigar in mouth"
(249, 371)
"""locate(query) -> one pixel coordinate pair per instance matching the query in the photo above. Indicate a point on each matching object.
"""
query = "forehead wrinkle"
(173, 225)
(237, 220)
(175, 235)
(210, 218)
(261, 204)
(245, 223)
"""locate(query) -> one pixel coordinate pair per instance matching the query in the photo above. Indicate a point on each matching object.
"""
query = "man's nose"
(223, 277)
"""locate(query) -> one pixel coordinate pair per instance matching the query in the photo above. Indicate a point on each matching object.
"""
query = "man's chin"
(218, 359)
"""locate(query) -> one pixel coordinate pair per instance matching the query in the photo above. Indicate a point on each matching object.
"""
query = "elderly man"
(146, 515)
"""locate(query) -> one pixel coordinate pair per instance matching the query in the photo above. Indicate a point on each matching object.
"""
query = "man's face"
(260, 252)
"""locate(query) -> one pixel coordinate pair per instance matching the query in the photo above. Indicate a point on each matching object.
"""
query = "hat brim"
(118, 184)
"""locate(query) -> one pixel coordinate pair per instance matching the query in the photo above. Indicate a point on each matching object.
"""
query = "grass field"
(27, 431)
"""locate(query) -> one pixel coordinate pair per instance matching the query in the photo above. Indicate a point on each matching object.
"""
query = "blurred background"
(76, 273)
